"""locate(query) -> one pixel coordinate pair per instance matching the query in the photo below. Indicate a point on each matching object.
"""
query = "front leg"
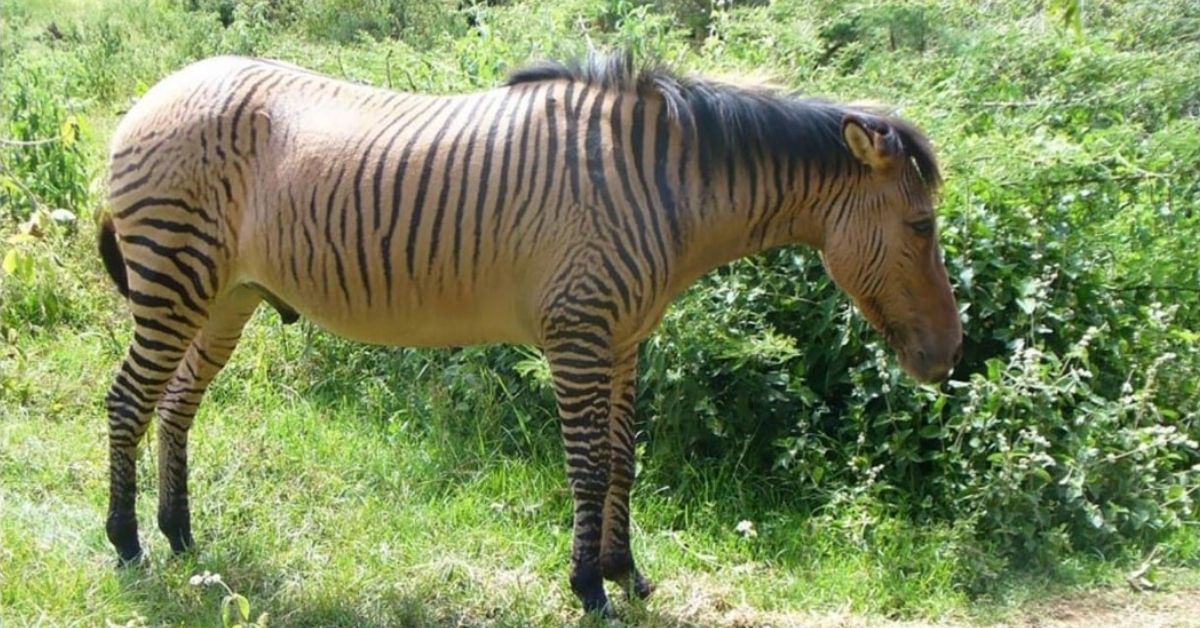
(616, 559)
(582, 385)
(205, 358)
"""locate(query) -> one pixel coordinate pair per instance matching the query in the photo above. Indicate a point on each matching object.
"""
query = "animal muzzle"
(931, 357)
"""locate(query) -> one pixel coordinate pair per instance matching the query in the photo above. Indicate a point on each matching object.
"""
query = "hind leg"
(162, 333)
(205, 357)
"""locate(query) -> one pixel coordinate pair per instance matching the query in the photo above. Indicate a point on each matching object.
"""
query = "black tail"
(114, 262)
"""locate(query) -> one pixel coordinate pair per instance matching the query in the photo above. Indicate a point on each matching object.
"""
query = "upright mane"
(736, 120)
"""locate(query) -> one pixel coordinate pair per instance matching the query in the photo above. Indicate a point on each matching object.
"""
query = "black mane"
(730, 119)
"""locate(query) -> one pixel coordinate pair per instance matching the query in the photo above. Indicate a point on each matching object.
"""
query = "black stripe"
(149, 300)
(631, 202)
(551, 147)
(147, 363)
(312, 250)
(638, 147)
(157, 201)
(129, 393)
(142, 379)
(235, 89)
(534, 170)
(447, 170)
(154, 345)
(125, 152)
(137, 165)
(291, 251)
(418, 208)
(337, 257)
(847, 203)
(662, 135)
(207, 358)
(172, 253)
(167, 282)
(595, 162)
(530, 94)
(241, 108)
(377, 178)
(132, 185)
(615, 277)
(750, 164)
(571, 148)
(501, 194)
(397, 188)
(364, 270)
(485, 172)
(461, 207)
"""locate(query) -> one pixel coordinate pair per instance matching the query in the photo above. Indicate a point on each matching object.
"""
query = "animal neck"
(751, 205)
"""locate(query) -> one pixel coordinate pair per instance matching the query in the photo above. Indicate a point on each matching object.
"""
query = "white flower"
(196, 580)
(746, 529)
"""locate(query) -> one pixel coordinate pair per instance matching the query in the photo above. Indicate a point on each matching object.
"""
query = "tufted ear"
(871, 140)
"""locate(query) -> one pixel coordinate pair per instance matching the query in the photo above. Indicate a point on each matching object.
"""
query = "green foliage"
(42, 159)
(36, 290)
(342, 21)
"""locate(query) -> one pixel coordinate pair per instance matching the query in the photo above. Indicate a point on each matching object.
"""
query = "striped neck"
(741, 210)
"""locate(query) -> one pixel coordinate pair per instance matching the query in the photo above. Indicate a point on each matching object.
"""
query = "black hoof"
(177, 527)
(618, 568)
(126, 560)
(641, 587)
(589, 588)
(181, 544)
(599, 607)
(122, 533)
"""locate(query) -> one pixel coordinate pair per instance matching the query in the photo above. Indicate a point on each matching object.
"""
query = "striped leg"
(160, 337)
(616, 559)
(208, 353)
(582, 385)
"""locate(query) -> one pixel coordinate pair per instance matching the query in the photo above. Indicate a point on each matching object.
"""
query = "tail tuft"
(110, 252)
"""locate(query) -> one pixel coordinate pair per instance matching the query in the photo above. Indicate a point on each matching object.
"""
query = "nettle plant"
(44, 179)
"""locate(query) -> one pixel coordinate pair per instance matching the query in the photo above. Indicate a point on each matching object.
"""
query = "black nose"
(958, 353)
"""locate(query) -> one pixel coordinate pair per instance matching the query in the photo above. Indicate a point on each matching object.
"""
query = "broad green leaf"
(11, 260)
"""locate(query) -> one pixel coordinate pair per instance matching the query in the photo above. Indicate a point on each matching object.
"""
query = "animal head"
(880, 245)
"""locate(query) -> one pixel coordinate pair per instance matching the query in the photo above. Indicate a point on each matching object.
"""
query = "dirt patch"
(706, 604)
(1117, 609)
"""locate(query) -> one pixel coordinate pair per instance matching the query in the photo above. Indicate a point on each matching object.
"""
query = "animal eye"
(923, 226)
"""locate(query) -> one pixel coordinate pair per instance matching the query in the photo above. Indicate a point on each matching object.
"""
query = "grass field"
(334, 484)
(324, 511)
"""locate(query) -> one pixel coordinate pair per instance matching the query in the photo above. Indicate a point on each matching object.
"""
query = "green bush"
(42, 159)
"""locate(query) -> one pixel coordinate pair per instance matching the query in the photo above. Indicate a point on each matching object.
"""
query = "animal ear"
(871, 141)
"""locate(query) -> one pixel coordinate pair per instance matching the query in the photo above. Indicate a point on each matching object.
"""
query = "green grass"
(323, 511)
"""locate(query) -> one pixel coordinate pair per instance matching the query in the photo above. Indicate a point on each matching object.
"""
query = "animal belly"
(433, 309)
(438, 329)
(418, 323)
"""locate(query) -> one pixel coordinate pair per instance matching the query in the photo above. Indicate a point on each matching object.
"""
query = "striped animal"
(565, 210)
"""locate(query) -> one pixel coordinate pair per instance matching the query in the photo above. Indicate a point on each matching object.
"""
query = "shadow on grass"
(160, 593)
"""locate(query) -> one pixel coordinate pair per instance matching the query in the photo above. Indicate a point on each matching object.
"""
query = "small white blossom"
(205, 579)
(746, 529)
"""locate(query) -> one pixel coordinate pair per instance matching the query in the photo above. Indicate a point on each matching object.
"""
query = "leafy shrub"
(36, 290)
(42, 158)
(344, 21)
(44, 180)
